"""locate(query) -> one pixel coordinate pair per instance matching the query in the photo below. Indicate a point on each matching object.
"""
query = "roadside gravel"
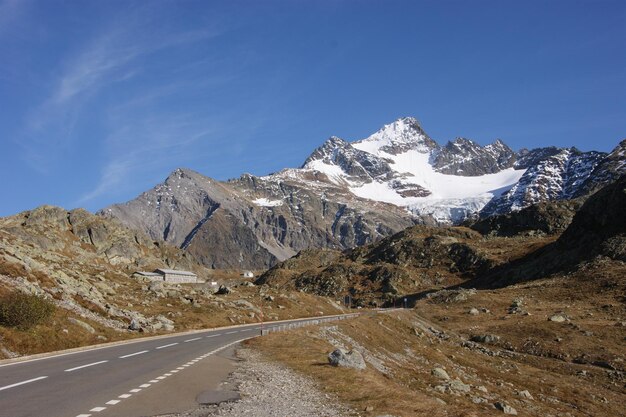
(271, 390)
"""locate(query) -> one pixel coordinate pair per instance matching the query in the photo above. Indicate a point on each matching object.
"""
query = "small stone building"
(173, 276)
(248, 274)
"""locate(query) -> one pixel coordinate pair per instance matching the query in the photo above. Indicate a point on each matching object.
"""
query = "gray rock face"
(229, 225)
(467, 158)
(346, 359)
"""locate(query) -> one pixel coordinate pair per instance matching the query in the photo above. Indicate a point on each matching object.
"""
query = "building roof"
(175, 272)
(148, 274)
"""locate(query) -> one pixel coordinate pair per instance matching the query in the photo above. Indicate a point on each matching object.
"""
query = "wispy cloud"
(113, 57)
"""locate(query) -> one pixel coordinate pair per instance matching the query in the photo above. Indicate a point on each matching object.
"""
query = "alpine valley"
(349, 194)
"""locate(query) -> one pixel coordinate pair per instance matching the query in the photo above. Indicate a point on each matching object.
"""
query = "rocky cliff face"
(253, 222)
(348, 194)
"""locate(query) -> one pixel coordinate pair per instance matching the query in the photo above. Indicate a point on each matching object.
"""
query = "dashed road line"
(22, 383)
(84, 366)
(165, 346)
(191, 340)
(153, 381)
(213, 335)
(236, 331)
(133, 354)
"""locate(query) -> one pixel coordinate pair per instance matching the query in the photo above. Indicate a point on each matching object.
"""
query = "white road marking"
(138, 389)
(113, 402)
(236, 331)
(153, 381)
(84, 366)
(247, 330)
(84, 415)
(98, 409)
(164, 346)
(22, 383)
(213, 335)
(167, 374)
(133, 354)
(160, 377)
(191, 340)
(174, 371)
(125, 396)
(144, 385)
(180, 368)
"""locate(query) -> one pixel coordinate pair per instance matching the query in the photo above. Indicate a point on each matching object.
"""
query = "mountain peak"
(398, 137)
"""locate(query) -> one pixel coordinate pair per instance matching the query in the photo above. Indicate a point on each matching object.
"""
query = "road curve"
(85, 383)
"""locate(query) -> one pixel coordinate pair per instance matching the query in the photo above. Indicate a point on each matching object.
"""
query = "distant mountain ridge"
(349, 194)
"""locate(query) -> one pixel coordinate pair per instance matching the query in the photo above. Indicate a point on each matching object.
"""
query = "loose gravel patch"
(269, 389)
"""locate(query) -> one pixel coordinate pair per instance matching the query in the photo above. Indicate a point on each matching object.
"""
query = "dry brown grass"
(529, 357)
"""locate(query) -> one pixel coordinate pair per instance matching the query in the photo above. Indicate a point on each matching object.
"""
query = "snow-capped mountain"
(352, 193)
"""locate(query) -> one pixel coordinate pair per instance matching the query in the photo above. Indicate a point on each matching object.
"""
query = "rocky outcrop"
(406, 262)
(597, 231)
(548, 218)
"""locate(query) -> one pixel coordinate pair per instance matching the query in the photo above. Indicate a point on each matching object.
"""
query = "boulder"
(485, 338)
(223, 289)
(440, 373)
(558, 318)
(346, 359)
(505, 408)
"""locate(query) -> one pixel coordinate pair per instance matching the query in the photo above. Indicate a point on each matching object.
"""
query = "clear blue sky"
(100, 100)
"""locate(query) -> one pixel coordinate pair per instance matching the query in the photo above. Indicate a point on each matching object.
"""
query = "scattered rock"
(485, 338)
(473, 311)
(347, 359)
(505, 408)
(223, 289)
(134, 325)
(451, 296)
(81, 324)
(525, 394)
(558, 318)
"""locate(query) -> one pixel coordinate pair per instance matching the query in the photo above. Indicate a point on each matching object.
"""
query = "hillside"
(535, 328)
(536, 242)
(83, 264)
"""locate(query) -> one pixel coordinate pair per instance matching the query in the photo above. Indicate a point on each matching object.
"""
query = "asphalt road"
(95, 381)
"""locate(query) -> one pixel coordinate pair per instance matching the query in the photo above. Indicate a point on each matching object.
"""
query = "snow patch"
(264, 202)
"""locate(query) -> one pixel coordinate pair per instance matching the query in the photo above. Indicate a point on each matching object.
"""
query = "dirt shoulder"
(270, 389)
